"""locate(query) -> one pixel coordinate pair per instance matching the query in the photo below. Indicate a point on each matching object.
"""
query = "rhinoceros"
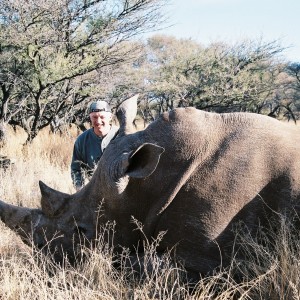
(191, 174)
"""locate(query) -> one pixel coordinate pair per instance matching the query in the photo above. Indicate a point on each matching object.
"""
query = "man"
(89, 145)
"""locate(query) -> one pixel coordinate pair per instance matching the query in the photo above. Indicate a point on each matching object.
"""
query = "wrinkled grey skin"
(190, 173)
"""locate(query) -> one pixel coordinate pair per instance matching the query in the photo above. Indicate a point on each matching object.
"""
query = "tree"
(51, 52)
(293, 71)
(248, 76)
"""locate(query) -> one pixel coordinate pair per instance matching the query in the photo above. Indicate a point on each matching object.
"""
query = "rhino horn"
(52, 201)
(126, 114)
(15, 217)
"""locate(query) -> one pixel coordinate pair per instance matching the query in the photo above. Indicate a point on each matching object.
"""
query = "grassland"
(271, 271)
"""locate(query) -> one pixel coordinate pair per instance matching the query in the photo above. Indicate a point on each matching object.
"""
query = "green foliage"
(243, 77)
(55, 56)
(51, 52)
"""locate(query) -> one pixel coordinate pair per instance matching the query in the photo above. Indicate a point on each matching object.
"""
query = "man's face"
(100, 120)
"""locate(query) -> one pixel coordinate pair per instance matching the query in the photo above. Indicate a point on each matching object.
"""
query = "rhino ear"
(52, 201)
(126, 114)
(143, 161)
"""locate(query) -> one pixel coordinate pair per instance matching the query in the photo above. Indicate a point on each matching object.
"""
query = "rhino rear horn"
(52, 201)
(126, 114)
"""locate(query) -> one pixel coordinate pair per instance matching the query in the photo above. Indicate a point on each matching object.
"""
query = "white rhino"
(191, 173)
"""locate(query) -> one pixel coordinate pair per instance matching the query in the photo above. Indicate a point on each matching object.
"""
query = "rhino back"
(217, 169)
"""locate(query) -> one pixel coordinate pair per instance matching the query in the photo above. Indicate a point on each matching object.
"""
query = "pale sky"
(231, 21)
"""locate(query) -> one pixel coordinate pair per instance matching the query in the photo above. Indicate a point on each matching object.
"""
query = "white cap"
(99, 106)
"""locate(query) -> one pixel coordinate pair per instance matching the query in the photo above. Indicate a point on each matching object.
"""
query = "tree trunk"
(3, 133)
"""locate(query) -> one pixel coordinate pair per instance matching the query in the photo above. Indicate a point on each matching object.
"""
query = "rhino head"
(57, 228)
(65, 221)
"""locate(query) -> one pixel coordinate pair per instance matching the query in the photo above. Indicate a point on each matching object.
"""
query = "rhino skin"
(190, 173)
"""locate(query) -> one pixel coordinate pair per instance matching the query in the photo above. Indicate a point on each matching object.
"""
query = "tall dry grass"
(269, 271)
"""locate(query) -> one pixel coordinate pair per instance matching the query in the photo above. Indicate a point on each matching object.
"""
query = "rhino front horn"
(13, 216)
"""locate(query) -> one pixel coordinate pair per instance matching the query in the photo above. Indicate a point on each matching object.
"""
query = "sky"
(231, 21)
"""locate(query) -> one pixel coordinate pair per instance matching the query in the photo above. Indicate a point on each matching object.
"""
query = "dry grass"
(271, 271)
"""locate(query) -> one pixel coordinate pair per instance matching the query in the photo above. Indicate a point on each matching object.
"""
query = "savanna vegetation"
(271, 269)
(55, 56)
